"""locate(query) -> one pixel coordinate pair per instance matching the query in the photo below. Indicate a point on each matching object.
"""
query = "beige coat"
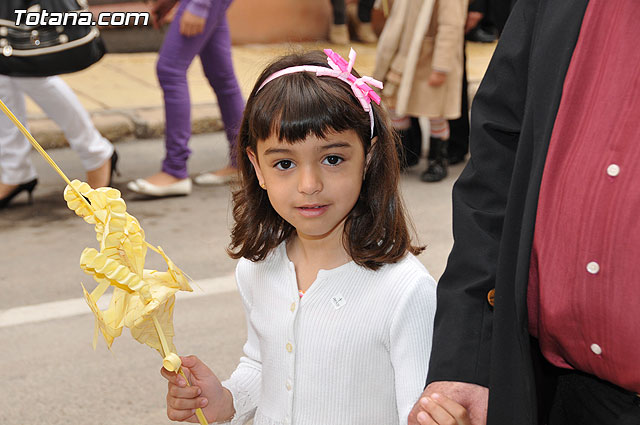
(420, 36)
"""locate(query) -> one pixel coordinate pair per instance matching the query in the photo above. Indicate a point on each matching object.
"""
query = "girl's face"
(312, 184)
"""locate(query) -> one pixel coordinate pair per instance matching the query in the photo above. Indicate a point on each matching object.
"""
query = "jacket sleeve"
(464, 318)
(199, 7)
(245, 382)
(448, 45)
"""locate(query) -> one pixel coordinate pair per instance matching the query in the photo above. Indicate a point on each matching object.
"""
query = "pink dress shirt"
(584, 284)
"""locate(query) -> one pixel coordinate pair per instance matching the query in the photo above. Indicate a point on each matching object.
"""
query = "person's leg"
(359, 17)
(61, 104)
(437, 158)
(583, 399)
(15, 166)
(364, 10)
(402, 126)
(339, 14)
(217, 65)
(338, 31)
(176, 54)
(459, 139)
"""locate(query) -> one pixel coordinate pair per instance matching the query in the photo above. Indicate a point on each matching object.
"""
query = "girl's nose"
(309, 181)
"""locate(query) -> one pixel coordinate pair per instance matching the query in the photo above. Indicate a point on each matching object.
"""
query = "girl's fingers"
(445, 411)
(184, 404)
(454, 408)
(183, 392)
(437, 413)
(180, 415)
(424, 419)
(176, 378)
(173, 377)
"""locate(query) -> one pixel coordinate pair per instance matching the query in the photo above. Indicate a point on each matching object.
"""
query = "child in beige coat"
(420, 61)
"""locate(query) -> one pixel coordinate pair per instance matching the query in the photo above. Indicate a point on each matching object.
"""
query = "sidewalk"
(125, 101)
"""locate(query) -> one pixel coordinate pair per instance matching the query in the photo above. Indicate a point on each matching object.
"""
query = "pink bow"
(340, 69)
(360, 86)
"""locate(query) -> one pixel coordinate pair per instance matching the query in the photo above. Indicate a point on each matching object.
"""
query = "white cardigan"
(354, 350)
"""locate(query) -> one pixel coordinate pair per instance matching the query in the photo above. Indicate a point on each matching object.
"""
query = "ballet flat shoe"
(209, 179)
(143, 187)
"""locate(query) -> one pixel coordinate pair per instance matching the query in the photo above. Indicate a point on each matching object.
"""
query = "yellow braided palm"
(142, 300)
(139, 295)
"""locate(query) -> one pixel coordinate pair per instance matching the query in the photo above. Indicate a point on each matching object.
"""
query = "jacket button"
(491, 295)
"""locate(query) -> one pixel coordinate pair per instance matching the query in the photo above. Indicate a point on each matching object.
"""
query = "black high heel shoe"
(114, 166)
(28, 186)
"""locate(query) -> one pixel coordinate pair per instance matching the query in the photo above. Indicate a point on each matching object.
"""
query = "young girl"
(339, 310)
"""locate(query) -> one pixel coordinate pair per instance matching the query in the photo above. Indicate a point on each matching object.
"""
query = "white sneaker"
(210, 179)
(143, 187)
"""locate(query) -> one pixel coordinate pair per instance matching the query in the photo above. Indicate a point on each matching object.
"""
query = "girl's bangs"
(296, 106)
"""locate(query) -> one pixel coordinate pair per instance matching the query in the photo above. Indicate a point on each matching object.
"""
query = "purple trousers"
(177, 52)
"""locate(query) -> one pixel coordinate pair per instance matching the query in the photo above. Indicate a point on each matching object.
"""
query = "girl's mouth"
(312, 210)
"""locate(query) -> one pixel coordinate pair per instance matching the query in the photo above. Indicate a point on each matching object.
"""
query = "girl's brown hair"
(297, 105)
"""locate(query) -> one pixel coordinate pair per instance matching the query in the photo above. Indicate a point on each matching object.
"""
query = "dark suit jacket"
(494, 209)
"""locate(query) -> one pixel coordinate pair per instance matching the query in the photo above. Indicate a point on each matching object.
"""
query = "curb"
(142, 123)
(116, 126)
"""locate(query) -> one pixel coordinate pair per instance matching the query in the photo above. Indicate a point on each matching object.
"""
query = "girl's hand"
(159, 11)
(205, 392)
(441, 410)
(473, 19)
(437, 78)
(191, 24)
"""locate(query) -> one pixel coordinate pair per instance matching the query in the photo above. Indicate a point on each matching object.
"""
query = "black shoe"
(114, 166)
(456, 159)
(480, 35)
(28, 186)
(436, 171)
(437, 161)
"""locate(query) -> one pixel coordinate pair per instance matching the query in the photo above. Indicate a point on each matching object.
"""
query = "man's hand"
(472, 397)
(159, 11)
(191, 24)
(205, 392)
(437, 78)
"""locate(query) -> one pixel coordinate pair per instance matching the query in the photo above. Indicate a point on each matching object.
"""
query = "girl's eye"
(285, 164)
(332, 160)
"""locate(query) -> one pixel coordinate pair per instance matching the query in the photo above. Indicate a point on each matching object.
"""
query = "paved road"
(51, 375)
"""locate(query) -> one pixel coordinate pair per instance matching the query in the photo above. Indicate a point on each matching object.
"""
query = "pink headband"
(340, 69)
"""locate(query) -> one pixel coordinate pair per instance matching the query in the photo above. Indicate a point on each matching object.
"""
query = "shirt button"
(293, 307)
(596, 349)
(491, 297)
(289, 386)
(613, 170)
(593, 267)
(289, 347)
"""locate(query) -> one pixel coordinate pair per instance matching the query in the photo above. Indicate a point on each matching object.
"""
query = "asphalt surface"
(51, 374)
